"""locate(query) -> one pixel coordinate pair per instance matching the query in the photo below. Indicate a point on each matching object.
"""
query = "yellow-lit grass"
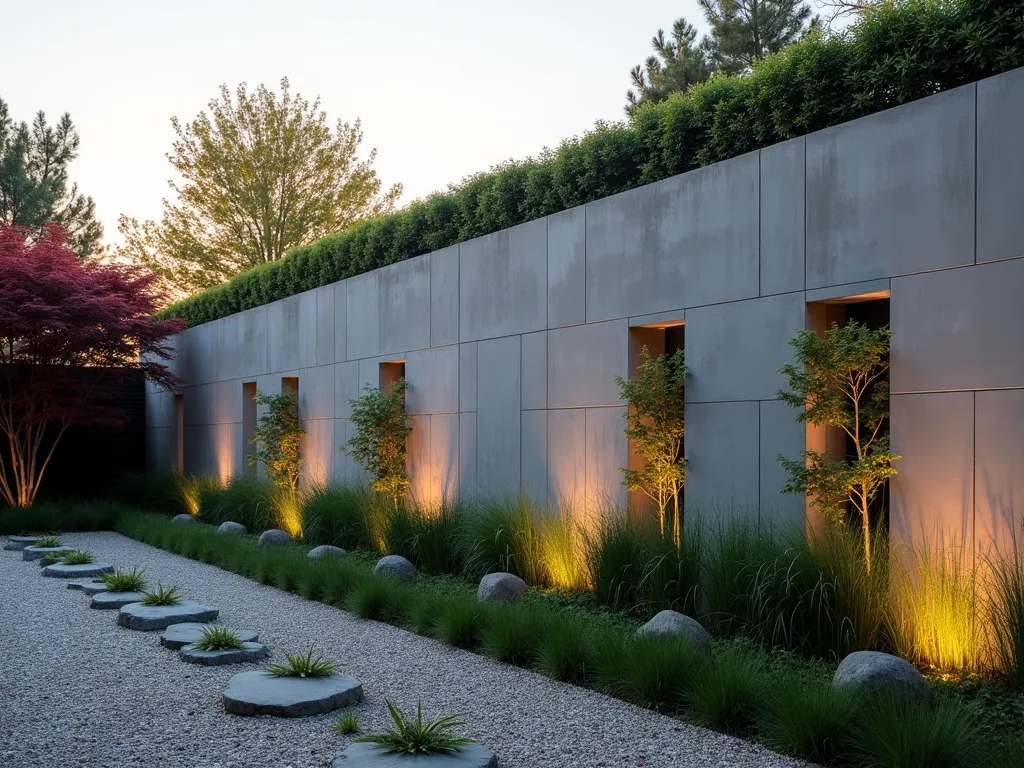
(562, 551)
(191, 488)
(287, 506)
(933, 611)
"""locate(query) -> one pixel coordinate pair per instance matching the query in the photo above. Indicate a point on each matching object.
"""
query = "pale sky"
(443, 88)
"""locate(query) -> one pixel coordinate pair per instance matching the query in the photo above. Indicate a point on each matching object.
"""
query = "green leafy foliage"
(78, 557)
(378, 443)
(655, 426)
(302, 665)
(277, 436)
(161, 596)
(125, 581)
(901, 52)
(47, 541)
(347, 724)
(414, 737)
(216, 638)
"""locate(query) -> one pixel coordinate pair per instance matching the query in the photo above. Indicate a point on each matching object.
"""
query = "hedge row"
(894, 55)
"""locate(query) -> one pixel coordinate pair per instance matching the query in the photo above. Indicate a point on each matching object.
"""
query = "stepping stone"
(324, 551)
(114, 599)
(251, 652)
(87, 584)
(260, 693)
(183, 519)
(179, 635)
(37, 553)
(373, 756)
(147, 618)
(231, 527)
(18, 543)
(65, 571)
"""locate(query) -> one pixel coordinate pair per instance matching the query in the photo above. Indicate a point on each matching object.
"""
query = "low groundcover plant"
(414, 737)
(299, 665)
(161, 596)
(47, 541)
(125, 581)
(78, 557)
(219, 639)
(348, 723)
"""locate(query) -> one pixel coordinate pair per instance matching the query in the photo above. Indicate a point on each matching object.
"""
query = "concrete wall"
(512, 341)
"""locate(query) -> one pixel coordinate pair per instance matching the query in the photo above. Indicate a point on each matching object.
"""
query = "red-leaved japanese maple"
(68, 332)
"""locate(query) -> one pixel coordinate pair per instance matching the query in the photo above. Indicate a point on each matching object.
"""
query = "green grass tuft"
(512, 633)
(348, 723)
(78, 557)
(48, 541)
(810, 721)
(161, 596)
(125, 581)
(219, 639)
(655, 671)
(299, 665)
(414, 737)
(727, 693)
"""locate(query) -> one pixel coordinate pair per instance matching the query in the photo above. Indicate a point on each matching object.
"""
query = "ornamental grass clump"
(161, 596)
(414, 737)
(347, 724)
(302, 665)
(654, 671)
(78, 557)
(726, 694)
(219, 639)
(810, 721)
(125, 581)
(47, 542)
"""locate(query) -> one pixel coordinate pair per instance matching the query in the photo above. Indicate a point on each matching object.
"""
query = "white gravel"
(77, 690)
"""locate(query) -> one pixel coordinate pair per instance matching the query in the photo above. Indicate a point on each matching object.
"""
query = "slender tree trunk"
(866, 525)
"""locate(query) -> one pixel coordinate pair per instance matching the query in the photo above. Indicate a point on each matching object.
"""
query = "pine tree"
(745, 31)
(677, 65)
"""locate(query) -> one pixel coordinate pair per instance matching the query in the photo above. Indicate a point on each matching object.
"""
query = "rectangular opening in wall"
(248, 425)
(290, 384)
(178, 443)
(390, 372)
(660, 338)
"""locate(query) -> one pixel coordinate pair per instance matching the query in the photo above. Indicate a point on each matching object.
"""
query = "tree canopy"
(34, 182)
(677, 65)
(261, 173)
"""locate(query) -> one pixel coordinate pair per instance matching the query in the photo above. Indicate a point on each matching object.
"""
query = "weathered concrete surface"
(259, 693)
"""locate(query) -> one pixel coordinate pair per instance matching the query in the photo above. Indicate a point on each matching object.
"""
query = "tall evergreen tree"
(745, 31)
(34, 185)
(676, 66)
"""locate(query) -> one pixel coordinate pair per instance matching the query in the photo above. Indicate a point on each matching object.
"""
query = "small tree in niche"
(277, 436)
(655, 423)
(841, 380)
(378, 445)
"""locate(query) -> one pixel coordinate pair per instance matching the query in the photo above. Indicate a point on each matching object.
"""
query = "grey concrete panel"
(345, 467)
(444, 296)
(198, 405)
(440, 481)
(362, 316)
(607, 454)
(498, 421)
(999, 481)
(892, 193)
(535, 370)
(340, 321)
(584, 360)
(199, 354)
(780, 433)
(722, 461)
(317, 392)
(467, 376)
(369, 373)
(283, 335)
(1000, 166)
(734, 351)
(433, 376)
(467, 455)
(685, 241)
(567, 263)
(242, 344)
(932, 496)
(159, 409)
(225, 450)
(417, 460)
(503, 282)
(308, 315)
(782, 217)
(958, 329)
(227, 405)
(346, 387)
(535, 456)
(199, 449)
(567, 458)
(405, 306)
(325, 338)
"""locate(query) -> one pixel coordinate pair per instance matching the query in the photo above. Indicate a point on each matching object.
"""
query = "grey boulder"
(395, 567)
(675, 623)
(110, 600)
(18, 543)
(500, 587)
(147, 618)
(230, 527)
(251, 652)
(326, 550)
(65, 571)
(183, 519)
(179, 635)
(373, 756)
(274, 538)
(872, 672)
(38, 553)
(260, 693)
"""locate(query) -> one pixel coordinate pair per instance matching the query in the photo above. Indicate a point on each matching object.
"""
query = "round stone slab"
(179, 635)
(18, 543)
(146, 618)
(65, 571)
(373, 756)
(259, 693)
(251, 652)
(36, 553)
(114, 599)
(86, 584)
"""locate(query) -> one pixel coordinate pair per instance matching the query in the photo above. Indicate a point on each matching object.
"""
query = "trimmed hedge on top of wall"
(893, 55)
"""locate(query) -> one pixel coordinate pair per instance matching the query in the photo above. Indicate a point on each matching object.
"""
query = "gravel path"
(77, 690)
